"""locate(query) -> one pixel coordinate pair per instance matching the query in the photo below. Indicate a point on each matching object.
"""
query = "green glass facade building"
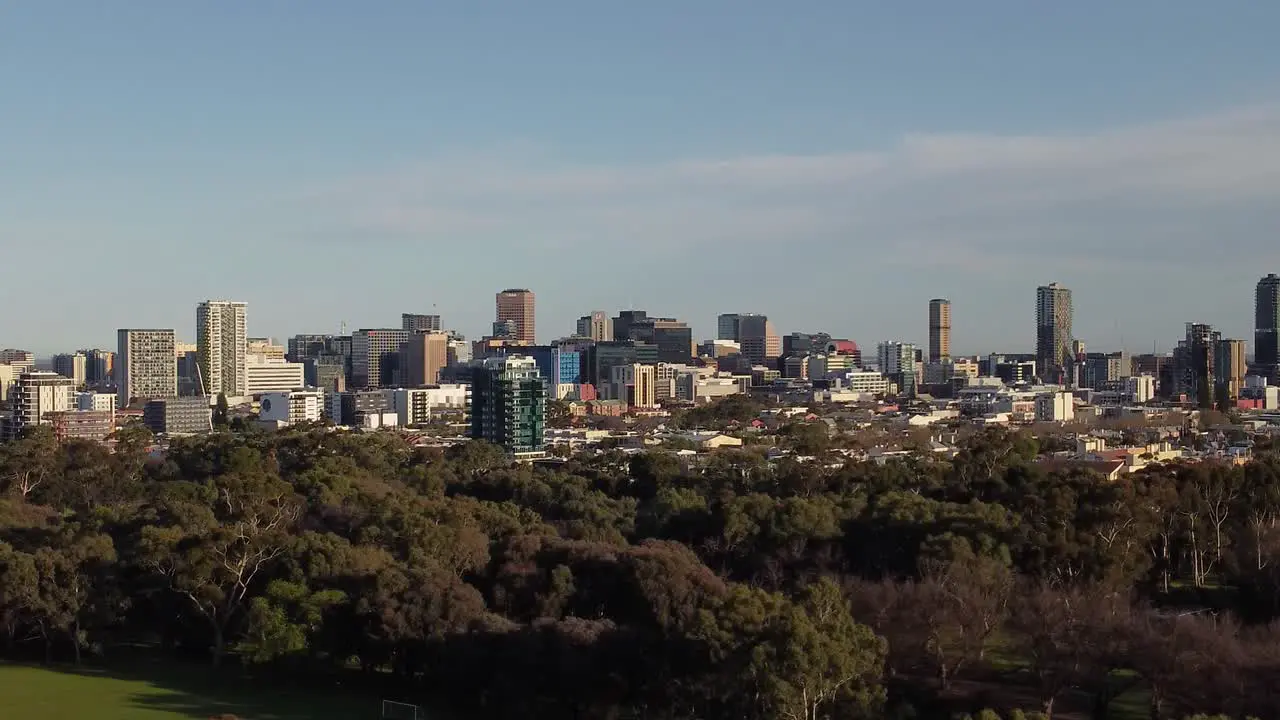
(508, 404)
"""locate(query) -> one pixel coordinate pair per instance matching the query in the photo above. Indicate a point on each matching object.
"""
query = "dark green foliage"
(649, 586)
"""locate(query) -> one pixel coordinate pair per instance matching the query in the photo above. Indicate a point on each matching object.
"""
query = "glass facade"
(508, 404)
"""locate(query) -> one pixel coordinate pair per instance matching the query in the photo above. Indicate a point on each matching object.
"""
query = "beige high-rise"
(424, 355)
(222, 347)
(939, 329)
(517, 306)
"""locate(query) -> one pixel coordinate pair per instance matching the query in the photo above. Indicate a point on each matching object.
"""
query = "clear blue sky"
(833, 163)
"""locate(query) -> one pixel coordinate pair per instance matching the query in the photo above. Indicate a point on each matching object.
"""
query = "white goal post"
(392, 710)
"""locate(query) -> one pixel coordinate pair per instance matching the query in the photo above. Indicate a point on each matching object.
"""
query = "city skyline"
(975, 150)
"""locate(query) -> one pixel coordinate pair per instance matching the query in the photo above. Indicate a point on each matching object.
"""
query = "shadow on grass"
(191, 690)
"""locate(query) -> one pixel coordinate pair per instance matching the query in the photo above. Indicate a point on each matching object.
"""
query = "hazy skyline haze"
(834, 165)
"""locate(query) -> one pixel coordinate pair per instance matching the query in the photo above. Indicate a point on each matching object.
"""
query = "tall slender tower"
(516, 305)
(222, 346)
(939, 329)
(1053, 331)
(1266, 327)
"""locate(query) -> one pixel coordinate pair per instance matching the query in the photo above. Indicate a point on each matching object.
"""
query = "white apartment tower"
(222, 346)
(145, 365)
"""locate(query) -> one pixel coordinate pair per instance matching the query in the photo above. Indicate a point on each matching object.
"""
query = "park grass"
(165, 691)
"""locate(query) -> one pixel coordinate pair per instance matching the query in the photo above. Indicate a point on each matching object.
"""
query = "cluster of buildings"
(498, 387)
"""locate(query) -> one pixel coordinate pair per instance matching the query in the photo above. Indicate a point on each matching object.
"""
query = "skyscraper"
(222, 348)
(760, 344)
(508, 403)
(424, 355)
(1053, 331)
(1266, 327)
(375, 357)
(939, 329)
(145, 365)
(517, 305)
(597, 326)
(1229, 370)
(727, 326)
(419, 323)
(898, 363)
(1194, 364)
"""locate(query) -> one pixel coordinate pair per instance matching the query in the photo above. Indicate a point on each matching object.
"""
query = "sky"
(831, 163)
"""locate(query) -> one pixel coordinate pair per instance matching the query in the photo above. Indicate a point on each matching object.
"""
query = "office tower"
(35, 395)
(307, 345)
(1053, 331)
(505, 329)
(1229, 370)
(760, 344)
(598, 326)
(99, 367)
(673, 338)
(939, 329)
(625, 321)
(424, 355)
(415, 323)
(727, 327)
(221, 346)
(508, 404)
(72, 365)
(145, 366)
(375, 357)
(1266, 332)
(187, 356)
(898, 363)
(1193, 364)
(517, 305)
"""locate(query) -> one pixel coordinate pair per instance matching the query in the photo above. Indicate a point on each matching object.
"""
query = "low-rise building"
(1055, 407)
(269, 374)
(91, 425)
(280, 409)
(178, 415)
(418, 406)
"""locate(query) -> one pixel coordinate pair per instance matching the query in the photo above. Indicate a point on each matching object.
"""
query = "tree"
(214, 542)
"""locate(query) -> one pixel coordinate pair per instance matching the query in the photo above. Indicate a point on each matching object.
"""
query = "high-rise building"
(1193, 360)
(415, 323)
(145, 365)
(898, 363)
(760, 344)
(423, 356)
(1229, 370)
(727, 326)
(375, 357)
(99, 368)
(221, 347)
(598, 326)
(35, 395)
(72, 365)
(939, 329)
(1053, 331)
(635, 384)
(1266, 324)
(517, 305)
(508, 404)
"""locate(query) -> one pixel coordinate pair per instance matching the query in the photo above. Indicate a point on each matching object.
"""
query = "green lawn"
(164, 691)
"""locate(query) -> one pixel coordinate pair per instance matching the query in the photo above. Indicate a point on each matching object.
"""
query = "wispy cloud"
(930, 191)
